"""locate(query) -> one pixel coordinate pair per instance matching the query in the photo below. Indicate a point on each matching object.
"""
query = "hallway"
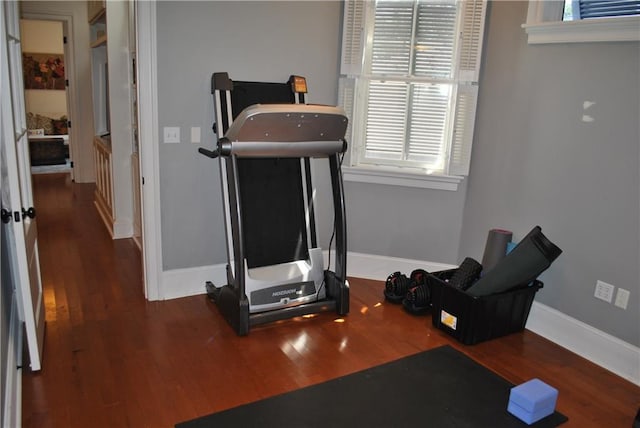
(112, 359)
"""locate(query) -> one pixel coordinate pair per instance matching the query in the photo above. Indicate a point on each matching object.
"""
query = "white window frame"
(354, 40)
(544, 25)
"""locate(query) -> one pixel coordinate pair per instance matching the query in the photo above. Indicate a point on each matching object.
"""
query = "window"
(587, 9)
(574, 21)
(409, 83)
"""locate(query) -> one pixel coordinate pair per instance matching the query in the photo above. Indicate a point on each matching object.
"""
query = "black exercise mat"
(437, 388)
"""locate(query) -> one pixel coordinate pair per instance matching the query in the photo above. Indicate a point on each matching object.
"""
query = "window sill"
(594, 30)
(397, 177)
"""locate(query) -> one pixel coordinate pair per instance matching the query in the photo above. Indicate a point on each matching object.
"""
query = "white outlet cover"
(622, 298)
(195, 134)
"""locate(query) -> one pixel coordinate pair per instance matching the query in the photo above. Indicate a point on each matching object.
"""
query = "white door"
(17, 196)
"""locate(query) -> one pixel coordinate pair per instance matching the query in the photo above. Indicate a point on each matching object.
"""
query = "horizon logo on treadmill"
(281, 294)
(285, 292)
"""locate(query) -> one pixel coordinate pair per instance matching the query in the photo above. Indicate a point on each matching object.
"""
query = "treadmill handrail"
(288, 123)
(209, 153)
(271, 149)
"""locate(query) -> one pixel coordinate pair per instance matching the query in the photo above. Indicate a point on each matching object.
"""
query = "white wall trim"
(597, 30)
(601, 348)
(178, 283)
(122, 229)
(544, 25)
(398, 177)
(371, 266)
(149, 159)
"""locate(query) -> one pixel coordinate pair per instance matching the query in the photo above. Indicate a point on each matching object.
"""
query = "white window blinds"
(584, 9)
(352, 37)
(410, 71)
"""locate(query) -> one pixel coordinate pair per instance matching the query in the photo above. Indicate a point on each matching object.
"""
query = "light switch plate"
(171, 134)
(604, 291)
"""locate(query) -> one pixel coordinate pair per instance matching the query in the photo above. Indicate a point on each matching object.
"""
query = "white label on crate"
(448, 319)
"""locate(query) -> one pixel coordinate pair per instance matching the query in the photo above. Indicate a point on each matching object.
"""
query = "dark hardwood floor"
(113, 359)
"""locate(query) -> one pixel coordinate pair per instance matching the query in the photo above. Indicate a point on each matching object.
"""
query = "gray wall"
(255, 41)
(535, 161)
(418, 224)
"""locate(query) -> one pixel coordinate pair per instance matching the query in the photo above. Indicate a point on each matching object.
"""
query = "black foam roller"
(532, 256)
(466, 274)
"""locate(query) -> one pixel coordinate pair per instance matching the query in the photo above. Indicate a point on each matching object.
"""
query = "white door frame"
(148, 137)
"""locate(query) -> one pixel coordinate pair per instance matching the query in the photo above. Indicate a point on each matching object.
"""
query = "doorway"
(44, 60)
(125, 174)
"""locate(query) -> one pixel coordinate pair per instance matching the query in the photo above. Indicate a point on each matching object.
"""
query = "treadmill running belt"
(271, 194)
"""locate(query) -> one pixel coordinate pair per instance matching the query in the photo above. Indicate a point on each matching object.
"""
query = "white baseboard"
(118, 229)
(178, 283)
(122, 229)
(601, 348)
(370, 266)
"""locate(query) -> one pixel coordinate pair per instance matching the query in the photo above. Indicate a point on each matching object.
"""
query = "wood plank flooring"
(113, 359)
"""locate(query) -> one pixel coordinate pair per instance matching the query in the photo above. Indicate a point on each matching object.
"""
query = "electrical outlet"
(195, 134)
(604, 291)
(622, 298)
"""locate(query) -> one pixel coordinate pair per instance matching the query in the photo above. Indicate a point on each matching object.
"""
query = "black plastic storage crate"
(473, 319)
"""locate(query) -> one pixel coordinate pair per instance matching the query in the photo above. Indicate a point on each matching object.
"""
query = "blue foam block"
(532, 401)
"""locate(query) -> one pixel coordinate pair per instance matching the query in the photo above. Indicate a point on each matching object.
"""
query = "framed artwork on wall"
(43, 71)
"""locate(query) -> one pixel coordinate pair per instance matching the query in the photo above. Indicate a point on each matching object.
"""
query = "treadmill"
(266, 139)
